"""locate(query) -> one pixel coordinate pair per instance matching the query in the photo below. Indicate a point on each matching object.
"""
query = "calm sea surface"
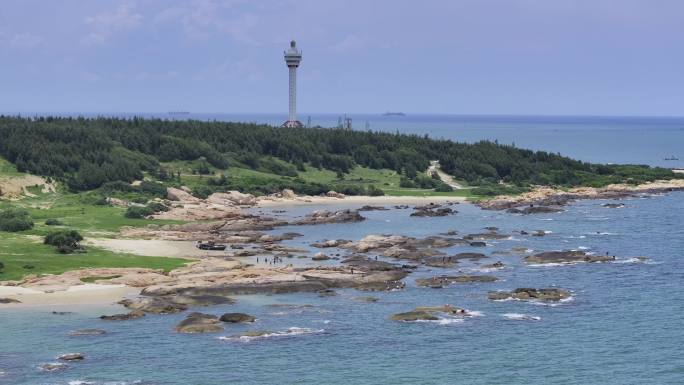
(624, 324)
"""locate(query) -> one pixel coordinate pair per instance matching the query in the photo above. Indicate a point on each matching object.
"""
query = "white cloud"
(104, 25)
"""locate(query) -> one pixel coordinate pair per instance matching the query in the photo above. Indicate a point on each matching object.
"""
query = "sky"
(538, 57)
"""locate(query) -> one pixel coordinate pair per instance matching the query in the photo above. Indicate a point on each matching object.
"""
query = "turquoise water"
(624, 324)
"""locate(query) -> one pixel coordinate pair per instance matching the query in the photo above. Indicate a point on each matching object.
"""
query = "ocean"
(623, 324)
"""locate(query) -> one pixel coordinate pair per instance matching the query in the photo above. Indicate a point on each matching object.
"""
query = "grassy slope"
(18, 250)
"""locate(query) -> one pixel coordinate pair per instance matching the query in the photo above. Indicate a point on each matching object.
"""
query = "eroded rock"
(531, 294)
(199, 323)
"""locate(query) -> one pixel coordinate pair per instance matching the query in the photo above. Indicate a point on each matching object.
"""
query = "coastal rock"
(334, 194)
(367, 264)
(469, 256)
(199, 323)
(174, 194)
(441, 281)
(530, 294)
(155, 305)
(288, 194)
(87, 332)
(367, 299)
(9, 300)
(135, 314)
(428, 313)
(72, 357)
(444, 262)
(372, 208)
(495, 265)
(485, 236)
(327, 293)
(237, 318)
(232, 198)
(320, 257)
(433, 212)
(330, 243)
(613, 205)
(319, 217)
(478, 244)
(566, 257)
(202, 300)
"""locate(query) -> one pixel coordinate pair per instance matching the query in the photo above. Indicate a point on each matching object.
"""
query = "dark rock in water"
(373, 208)
(432, 212)
(155, 305)
(470, 256)
(401, 207)
(87, 332)
(492, 228)
(72, 357)
(325, 216)
(199, 323)
(412, 316)
(450, 233)
(613, 205)
(495, 265)
(478, 244)
(485, 236)
(566, 257)
(327, 293)
(535, 210)
(53, 367)
(9, 300)
(62, 312)
(530, 294)
(123, 317)
(202, 300)
(441, 281)
(367, 299)
(366, 264)
(539, 233)
(237, 318)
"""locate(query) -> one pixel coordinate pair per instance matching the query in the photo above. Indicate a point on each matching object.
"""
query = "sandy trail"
(86, 294)
(153, 247)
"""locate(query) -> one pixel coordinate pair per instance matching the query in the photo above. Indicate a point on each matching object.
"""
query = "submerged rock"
(156, 305)
(469, 256)
(495, 265)
(237, 318)
(535, 210)
(433, 212)
(367, 299)
(124, 316)
(412, 316)
(373, 208)
(87, 332)
(199, 323)
(530, 294)
(324, 216)
(613, 205)
(441, 281)
(566, 257)
(53, 367)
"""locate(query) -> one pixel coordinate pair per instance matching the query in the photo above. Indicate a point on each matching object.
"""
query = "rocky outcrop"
(199, 323)
(330, 243)
(530, 294)
(495, 265)
(468, 256)
(237, 318)
(429, 313)
(320, 257)
(155, 305)
(441, 281)
(373, 208)
(334, 194)
(320, 217)
(566, 257)
(232, 198)
(412, 316)
(53, 367)
(174, 194)
(422, 211)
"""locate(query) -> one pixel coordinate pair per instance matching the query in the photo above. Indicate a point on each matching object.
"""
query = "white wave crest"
(290, 332)
(521, 317)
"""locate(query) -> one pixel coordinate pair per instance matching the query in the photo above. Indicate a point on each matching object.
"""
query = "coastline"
(304, 200)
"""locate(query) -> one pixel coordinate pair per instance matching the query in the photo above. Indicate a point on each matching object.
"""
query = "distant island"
(389, 113)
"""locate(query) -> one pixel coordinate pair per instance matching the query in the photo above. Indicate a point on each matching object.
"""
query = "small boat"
(671, 158)
(210, 246)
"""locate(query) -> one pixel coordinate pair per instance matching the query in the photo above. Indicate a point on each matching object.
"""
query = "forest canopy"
(86, 153)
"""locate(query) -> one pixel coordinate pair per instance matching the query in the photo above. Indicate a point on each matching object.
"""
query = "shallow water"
(623, 325)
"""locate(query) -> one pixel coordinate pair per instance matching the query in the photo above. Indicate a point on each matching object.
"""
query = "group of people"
(273, 261)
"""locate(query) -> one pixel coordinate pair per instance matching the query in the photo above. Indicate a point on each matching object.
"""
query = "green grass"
(23, 255)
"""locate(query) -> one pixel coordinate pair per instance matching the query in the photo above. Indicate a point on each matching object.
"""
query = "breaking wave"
(290, 332)
(521, 317)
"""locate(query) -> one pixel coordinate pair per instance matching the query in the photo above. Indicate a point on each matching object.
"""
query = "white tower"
(293, 57)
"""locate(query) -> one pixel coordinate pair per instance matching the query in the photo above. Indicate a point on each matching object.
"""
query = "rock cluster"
(531, 294)
(566, 257)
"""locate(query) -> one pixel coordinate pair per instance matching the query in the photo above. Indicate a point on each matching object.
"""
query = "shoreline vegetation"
(142, 192)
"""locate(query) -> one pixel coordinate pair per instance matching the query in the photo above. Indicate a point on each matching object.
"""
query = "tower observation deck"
(293, 57)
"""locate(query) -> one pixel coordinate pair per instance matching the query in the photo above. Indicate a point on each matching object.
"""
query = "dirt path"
(446, 178)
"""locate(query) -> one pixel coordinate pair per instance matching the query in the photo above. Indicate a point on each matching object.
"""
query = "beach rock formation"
(430, 211)
(566, 257)
(135, 314)
(530, 294)
(9, 300)
(53, 367)
(412, 316)
(199, 323)
(72, 357)
(429, 313)
(534, 210)
(319, 217)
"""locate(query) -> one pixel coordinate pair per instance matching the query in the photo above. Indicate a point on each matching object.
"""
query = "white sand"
(86, 294)
(153, 247)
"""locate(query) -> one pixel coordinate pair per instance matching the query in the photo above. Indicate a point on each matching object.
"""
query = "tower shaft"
(293, 57)
(292, 115)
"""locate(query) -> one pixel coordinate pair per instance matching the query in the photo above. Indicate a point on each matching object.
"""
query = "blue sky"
(593, 57)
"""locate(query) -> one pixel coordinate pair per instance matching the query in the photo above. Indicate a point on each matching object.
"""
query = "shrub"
(137, 212)
(14, 220)
(53, 222)
(2, 266)
(157, 207)
(443, 187)
(66, 241)
(374, 191)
